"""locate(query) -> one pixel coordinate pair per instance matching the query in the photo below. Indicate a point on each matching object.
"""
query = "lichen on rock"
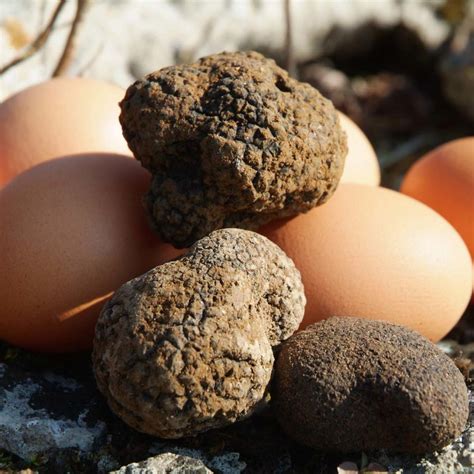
(166, 463)
(32, 421)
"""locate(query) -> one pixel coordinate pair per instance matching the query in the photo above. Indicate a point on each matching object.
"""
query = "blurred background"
(403, 70)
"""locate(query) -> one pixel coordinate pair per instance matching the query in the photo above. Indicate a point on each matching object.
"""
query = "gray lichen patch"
(231, 141)
(29, 426)
(187, 346)
(166, 463)
(349, 385)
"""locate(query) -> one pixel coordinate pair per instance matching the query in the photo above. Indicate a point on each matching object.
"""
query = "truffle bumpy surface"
(187, 346)
(231, 141)
(351, 385)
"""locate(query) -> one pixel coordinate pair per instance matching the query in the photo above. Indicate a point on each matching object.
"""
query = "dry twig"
(39, 41)
(66, 55)
(289, 58)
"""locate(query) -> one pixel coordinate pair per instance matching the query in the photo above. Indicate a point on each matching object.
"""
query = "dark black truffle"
(231, 141)
(351, 385)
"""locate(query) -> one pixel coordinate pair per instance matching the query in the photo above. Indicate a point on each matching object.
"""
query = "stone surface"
(348, 385)
(227, 462)
(167, 463)
(187, 346)
(44, 412)
(348, 468)
(256, 445)
(231, 141)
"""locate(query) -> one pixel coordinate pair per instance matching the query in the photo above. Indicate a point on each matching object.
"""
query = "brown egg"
(444, 180)
(73, 231)
(361, 165)
(472, 296)
(63, 116)
(375, 253)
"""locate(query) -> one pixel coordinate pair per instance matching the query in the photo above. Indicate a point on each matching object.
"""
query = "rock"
(226, 462)
(347, 467)
(167, 463)
(374, 467)
(43, 412)
(231, 141)
(106, 463)
(187, 346)
(348, 384)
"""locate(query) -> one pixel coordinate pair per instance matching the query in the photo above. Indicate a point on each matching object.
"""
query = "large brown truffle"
(187, 346)
(349, 384)
(231, 141)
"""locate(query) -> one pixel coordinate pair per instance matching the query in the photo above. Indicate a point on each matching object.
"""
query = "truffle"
(348, 384)
(187, 346)
(231, 141)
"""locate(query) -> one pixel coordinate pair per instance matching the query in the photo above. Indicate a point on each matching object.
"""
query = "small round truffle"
(231, 141)
(187, 346)
(348, 384)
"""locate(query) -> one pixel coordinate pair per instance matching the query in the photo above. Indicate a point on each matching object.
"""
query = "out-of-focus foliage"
(454, 11)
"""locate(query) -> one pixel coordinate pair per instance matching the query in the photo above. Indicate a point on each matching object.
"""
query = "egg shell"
(73, 231)
(361, 164)
(444, 180)
(377, 254)
(62, 116)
